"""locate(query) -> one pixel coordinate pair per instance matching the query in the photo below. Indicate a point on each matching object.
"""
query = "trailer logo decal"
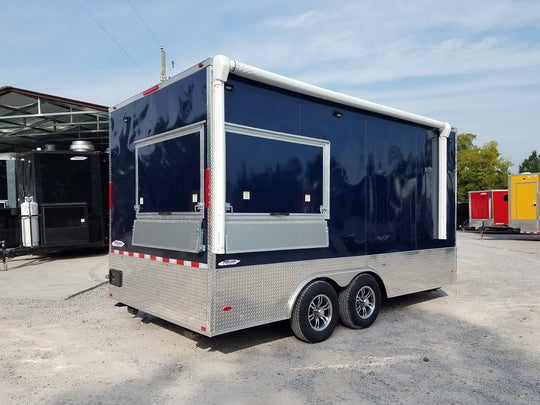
(118, 243)
(229, 262)
(179, 262)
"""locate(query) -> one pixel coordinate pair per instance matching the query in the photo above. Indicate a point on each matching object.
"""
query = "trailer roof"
(29, 120)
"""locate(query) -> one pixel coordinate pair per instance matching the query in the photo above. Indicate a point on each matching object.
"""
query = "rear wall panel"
(174, 106)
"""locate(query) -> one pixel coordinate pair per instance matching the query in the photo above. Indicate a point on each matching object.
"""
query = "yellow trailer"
(523, 205)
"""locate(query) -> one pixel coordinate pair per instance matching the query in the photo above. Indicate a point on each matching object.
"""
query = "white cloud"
(304, 20)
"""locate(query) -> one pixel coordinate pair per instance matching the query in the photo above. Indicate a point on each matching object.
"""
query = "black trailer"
(54, 200)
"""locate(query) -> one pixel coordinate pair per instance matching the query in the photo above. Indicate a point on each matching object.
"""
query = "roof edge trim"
(9, 89)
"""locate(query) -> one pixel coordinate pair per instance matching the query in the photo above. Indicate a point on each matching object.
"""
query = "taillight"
(207, 188)
(110, 195)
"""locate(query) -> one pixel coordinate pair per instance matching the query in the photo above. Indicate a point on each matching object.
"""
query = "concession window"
(277, 190)
(169, 200)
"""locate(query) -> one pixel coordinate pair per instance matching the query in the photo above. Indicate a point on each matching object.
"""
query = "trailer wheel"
(359, 302)
(315, 313)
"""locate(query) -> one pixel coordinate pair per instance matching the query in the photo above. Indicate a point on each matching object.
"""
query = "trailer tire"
(315, 313)
(359, 302)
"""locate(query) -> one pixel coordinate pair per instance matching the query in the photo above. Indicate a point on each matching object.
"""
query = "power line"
(146, 25)
(112, 38)
(163, 68)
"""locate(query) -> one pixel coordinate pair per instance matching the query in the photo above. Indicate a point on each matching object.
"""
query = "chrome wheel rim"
(320, 312)
(365, 302)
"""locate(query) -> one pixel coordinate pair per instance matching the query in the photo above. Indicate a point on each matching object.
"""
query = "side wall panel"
(383, 172)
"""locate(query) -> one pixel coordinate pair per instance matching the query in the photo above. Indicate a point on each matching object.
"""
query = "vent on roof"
(81, 146)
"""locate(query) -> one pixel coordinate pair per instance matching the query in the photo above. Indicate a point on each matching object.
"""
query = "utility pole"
(163, 72)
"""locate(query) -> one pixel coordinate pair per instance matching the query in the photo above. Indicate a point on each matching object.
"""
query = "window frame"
(290, 138)
(167, 136)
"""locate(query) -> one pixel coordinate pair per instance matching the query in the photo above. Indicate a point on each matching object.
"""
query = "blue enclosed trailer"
(241, 197)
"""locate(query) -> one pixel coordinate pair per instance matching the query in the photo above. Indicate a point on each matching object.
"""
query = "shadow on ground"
(240, 340)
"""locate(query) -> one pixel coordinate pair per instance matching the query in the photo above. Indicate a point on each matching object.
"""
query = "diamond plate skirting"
(214, 301)
(178, 294)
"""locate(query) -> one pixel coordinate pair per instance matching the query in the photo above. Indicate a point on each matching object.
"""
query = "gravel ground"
(477, 341)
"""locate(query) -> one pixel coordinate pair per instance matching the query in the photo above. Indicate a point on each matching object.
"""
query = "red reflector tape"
(207, 188)
(179, 262)
(150, 90)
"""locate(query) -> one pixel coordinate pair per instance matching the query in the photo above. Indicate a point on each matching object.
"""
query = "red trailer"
(488, 208)
(499, 201)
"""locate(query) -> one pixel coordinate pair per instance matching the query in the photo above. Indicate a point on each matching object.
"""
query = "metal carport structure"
(30, 120)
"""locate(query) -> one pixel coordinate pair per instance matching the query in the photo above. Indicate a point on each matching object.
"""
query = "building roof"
(30, 120)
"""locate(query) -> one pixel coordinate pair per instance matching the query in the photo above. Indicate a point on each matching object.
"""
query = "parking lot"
(473, 342)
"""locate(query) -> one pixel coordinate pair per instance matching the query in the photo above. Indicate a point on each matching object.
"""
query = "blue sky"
(475, 64)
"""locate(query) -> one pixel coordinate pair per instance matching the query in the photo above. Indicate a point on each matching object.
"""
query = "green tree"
(531, 164)
(479, 167)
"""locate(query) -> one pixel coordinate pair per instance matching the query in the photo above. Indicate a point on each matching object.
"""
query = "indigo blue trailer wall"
(240, 197)
(168, 170)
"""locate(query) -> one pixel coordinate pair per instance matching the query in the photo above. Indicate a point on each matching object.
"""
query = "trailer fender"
(340, 279)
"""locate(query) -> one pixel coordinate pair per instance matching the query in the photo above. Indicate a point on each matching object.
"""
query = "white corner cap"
(222, 67)
(445, 130)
